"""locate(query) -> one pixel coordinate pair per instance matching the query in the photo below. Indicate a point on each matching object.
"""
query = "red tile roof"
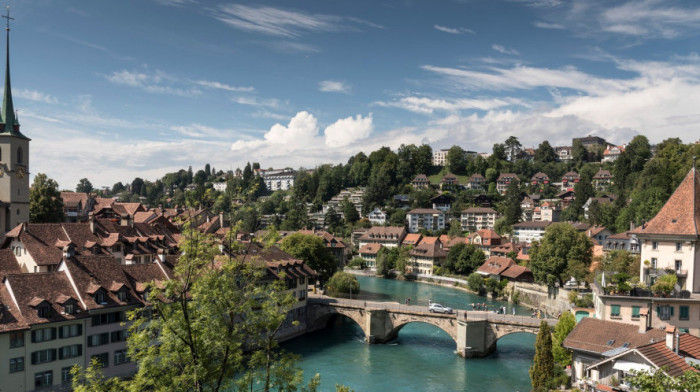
(662, 356)
(433, 251)
(495, 265)
(593, 335)
(412, 239)
(681, 213)
(370, 249)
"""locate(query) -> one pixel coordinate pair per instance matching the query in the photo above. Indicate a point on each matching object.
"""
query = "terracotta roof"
(129, 209)
(421, 178)
(477, 178)
(90, 273)
(625, 235)
(8, 263)
(10, 317)
(425, 211)
(412, 239)
(444, 239)
(72, 199)
(276, 261)
(144, 216)
(593, 335)
(457, 240)
(540, 175)
(515, 271)
(602, 174)
(681, 213)
(662, 356)
(372, 233)
(370, 249)
(327, 238)
(595, 230)
(508, 177)
(430, 240)
(495, 265)
(425, 249)
(488, 233)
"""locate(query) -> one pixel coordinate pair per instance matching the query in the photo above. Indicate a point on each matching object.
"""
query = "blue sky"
(111, 90)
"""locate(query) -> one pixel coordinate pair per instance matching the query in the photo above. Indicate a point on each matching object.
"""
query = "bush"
(665, 284)
(516, 297)
(357, 262)
(342, 283)
(474, 282)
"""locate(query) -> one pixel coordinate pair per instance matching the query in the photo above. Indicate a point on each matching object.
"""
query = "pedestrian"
(513, 310)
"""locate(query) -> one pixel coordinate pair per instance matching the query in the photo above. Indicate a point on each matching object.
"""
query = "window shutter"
(60, 332)
(33, 338)
(658, 310)
(671, 310)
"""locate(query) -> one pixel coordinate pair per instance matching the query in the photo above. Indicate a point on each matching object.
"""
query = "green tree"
(93, 380)
(342, 283)
(45, 202)
(513, 147)
(542, 369)
(456, 161)
(512, 211)
(474, 281)
(566, 323)
(464, 258)
(423, 159)
(660, 381)
(313, 251)
(332, 220)
(213, 312)
(84, 186)
(545, 153)
(383, 262)
(349, 211)
(561, 246)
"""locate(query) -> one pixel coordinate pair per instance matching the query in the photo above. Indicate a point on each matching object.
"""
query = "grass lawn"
(437, 172)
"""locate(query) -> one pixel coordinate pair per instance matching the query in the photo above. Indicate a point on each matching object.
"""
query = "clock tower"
(14, 157)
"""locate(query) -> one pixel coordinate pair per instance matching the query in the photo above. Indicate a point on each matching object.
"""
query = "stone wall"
(552, 300)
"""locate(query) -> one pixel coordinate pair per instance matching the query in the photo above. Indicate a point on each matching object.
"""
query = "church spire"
(8, 111)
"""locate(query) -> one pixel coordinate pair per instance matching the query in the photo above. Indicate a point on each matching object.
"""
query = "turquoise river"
(422, 358)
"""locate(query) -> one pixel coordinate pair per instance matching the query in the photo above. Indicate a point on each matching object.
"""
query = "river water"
(422, 358)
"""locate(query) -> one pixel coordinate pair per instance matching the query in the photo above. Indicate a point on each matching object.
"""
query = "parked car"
(437, 308)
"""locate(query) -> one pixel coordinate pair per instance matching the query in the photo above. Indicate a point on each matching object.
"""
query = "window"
(120, 357)
(103, 359)
(611, 342)
(100, 297)
(69, 331)
(43, 356)
(43, 311)
(66, 377)
(43, 335)
(121, 295)
(98, 339)
(16, 339)
(653, 262)
(108, 318)
(664, 312)
(69, 308)
(43, 379)
(71, 351)
(119, 336)
(655, 245)
(684, 313)
(614, 310)
(635, 312)
(679, 265)
(679, 246)
(17, 365)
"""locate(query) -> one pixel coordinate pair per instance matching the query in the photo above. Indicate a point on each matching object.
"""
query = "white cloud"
(34, 95)
(504, 50)
(653, 18)
(545, 25)
(333, 86)
(425, 105)
(223, 86)
(453, 30)
(348, 130)
(155, 82)
(176, 3)
(202, 131)
(283, 23)
(252, 101)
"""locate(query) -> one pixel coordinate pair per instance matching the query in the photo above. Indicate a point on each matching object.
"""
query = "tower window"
(20, 157)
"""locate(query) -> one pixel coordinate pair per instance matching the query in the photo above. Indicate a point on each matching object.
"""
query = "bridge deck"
(459, 314)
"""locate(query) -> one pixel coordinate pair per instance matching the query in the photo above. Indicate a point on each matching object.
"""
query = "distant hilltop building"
(440, 156)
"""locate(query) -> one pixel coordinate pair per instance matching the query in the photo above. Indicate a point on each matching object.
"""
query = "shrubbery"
(342, 283)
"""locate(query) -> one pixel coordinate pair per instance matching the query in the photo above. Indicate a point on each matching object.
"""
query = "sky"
(113, 90)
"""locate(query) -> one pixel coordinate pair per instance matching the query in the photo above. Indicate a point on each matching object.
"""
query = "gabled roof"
(508, 177)
(31, 290)
(495, 265)
(74, 199)
(662, 356)
(425, 249)
(681, 213)
(370, 249)
(421, 178)
(593, 335)
(412, 239)
(425, 211)
(8, 263)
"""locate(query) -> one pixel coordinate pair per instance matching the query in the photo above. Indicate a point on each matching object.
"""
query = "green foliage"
(464, 258)
(545, 153)
(566, 323)
(660, 381)
(92, 379)
(45, 202)
(350, 212)
(512, 212)
(542, 369)
(357, 262)
(474, 281)
(313, 251)
(664, 285)
(84, 186)
(456, 161)
(342, 283)
(563, 252)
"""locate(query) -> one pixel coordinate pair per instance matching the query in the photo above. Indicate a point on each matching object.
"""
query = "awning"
(627, 366)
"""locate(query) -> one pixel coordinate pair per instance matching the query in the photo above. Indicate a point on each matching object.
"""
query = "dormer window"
(121, 295)
(69, 308)
(43, 311)
(100, 297)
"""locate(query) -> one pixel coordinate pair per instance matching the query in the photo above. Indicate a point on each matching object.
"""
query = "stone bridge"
(474, 332)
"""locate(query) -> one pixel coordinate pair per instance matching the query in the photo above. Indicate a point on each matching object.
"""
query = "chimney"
(678, 342)
(670, 338)
(24, 227)
(221, 219)
(91, 221)
(161, 256)
(643, 320)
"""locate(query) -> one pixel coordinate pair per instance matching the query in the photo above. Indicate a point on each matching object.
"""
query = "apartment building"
(476, 218)
(425, 218)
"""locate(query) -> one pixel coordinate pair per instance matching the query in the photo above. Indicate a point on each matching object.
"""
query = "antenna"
(8, 18)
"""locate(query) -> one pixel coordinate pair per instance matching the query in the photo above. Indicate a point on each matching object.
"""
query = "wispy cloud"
(425, 105)
(283, 23)
(545, 25)
(202, 131)
(333, 86)
(650, 18)
(454, 30)
(504, 50)
(176, 3)
(272, 103)
(34, 95)
(155, 82)
(223, 86)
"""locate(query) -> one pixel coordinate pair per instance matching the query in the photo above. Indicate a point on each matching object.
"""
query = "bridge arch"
(319, 316)
(398, 326)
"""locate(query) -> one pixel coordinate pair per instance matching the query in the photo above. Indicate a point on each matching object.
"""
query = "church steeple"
(9, 118)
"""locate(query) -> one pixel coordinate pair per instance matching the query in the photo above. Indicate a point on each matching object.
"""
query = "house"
(279, 180)
(504, 249)
(440, 157)
(76, 206)
(539, 180)
(605, 199)
(602, 180)
(598, 233)
(484, 240)
(449, 182)
(564, 153)
(591, 142)
(442, 202)
(389, 236)
(476, 218)
(593, 340)
(425, 257)
(529, 154)
(530, 231)
(402, 201)
(673, 356)
(412, 239)
(626, 240)
(368, 253)
(569, 180)
(546, 212)
(425, 219)
(566, 197)
(377, 217)
(476, 182)
(496, 267)
(420, 182)
(504, 180)
(333, 244)
(611, 153)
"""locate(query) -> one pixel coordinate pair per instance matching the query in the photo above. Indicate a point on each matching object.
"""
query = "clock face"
(20, 172)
